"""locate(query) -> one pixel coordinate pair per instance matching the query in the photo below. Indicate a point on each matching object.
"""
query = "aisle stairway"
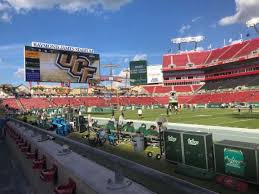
(21, 107)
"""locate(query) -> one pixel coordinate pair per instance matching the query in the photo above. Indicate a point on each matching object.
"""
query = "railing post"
(119, 180)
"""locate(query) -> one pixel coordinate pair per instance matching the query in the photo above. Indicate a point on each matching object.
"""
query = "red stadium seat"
(11, 102)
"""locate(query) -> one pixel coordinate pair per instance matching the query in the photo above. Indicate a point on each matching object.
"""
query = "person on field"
(113, 119)
(90, 122)
(113, 113)
(176, 109)
(250, 108)
(121, 120)
(140, 113)
(239, 108)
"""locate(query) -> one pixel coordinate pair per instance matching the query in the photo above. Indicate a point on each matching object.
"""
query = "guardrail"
(155, 179)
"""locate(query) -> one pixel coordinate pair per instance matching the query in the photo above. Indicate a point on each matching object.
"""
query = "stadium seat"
(11, 102)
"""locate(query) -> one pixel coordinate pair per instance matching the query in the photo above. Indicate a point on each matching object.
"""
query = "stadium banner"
(254, 104)
(156, 107)
(154, 74)
(138, 73)
(200, 106)
(52, 65)
(127, 108)
(214, 105)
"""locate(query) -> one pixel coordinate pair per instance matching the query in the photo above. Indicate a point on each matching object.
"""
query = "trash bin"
(138, 143)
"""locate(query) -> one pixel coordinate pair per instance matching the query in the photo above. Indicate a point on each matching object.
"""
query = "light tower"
(180, 41)
(253, 23)
(111, 77)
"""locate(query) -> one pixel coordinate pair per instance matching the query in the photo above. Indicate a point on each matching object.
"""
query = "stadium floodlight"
(252, 23)
(187, 39)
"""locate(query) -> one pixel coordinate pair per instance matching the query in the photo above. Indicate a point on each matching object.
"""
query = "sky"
(119, 30)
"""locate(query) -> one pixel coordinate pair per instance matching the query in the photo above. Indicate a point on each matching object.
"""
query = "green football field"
(215, 117)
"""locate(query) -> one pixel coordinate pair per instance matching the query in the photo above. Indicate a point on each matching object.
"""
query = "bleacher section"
(232, 83)
(68, 101)
(186, 88)
(212, 57)
(41, 103)
(158, 89)
(30, 103)
(251, 46)
(92, 101)
(11, 102)
(222, 97)
(199, 98)
(196, 87)
(180, 60)
(232, 50)
(198, 59)
(150, 89)
(165, 90)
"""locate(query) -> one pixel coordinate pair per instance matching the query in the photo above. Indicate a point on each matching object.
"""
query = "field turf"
(215, 117)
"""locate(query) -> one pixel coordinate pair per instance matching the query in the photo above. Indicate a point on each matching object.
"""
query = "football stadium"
(187, 123)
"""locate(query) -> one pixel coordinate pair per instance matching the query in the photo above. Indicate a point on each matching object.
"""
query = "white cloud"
(126, 60)
(19, 73)
(4, 12)
(4, 6)
(67, 5)
(10, 7)
(184, 28)
(199, 48)
(245, 10)
(196, 19)
(6, 17)
(140, 57)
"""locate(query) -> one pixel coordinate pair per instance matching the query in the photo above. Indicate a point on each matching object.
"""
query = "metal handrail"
(172, 184)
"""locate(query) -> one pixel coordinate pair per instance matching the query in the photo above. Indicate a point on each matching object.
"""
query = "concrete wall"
(90, 177)
(2, 122)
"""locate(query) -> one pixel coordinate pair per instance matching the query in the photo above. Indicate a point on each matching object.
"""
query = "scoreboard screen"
(52, 65)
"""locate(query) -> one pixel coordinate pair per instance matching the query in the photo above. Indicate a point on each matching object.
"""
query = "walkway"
(12, 180)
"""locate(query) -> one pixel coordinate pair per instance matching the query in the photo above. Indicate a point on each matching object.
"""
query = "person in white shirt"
(121, 119)
(113, 119)
(140, 113)
(90, 121)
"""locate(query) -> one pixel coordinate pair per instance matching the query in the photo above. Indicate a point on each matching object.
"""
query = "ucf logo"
(77, 66)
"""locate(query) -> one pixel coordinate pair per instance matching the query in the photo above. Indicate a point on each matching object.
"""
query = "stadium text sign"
(154, 74)
(61, 47)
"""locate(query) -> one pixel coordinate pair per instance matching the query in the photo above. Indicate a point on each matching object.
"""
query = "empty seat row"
(233, 51)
